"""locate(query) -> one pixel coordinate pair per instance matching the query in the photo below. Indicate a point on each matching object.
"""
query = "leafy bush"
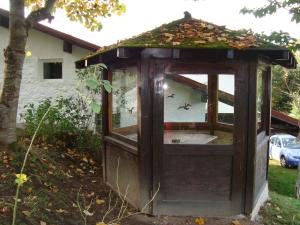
(68, 123)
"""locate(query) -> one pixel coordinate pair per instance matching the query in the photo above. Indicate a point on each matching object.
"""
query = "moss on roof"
(193, 33)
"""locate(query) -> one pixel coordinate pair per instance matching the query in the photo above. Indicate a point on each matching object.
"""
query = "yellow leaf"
(28, 53)
(100, 201)
(21, 178)
(236, 222)
(200, 221)
(100, 223)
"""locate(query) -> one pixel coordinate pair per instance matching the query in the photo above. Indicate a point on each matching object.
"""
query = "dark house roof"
(4, 16)
(285, 118)
(190, 33)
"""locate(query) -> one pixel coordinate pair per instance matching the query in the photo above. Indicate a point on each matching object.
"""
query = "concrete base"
(264, 195)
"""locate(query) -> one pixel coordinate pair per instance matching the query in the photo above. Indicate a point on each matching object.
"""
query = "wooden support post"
(104, 123)
(212, 102)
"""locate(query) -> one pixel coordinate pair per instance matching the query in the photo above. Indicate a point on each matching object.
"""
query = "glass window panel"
(226, 99)
(185, 98)
(186, 103)
(124, 102)
(259, 100)
(52, 70)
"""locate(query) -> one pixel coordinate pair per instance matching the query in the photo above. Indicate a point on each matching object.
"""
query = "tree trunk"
(14, 56)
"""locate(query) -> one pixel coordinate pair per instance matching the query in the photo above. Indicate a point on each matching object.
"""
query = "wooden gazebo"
(189, 117)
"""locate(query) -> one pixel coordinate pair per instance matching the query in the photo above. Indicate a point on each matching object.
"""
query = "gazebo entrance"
(196, 164)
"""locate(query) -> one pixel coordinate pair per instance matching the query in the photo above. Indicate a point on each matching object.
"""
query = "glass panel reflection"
(187, 102)
(124, 102)
(226, 99)
(259, 100)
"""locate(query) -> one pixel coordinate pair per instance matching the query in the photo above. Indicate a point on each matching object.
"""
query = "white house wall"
(43, 47)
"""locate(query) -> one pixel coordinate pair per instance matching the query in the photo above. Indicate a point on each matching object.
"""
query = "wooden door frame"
(240, 69)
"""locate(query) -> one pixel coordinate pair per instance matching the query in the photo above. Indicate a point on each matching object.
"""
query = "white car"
(286, 149)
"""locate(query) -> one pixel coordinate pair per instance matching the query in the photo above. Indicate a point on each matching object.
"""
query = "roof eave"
(282, 57)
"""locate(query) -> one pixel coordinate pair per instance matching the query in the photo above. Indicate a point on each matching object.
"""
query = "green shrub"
(69, 123)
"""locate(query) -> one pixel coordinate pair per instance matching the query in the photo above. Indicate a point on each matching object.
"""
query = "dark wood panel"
(260, 168)
(122, 145)
(195, 67)
(192, 208)
(127, 172)
(196, 178)
(221, 150)
(124, 138)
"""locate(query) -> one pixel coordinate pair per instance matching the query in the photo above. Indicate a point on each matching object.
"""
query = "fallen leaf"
(27, 213)
(200, 42)
(200, 221)
(5, 209)
(100, 201)
(210, 27)
(29, 190)
(100, 223)
(85, 159)
(60, 210)
(175, 43)
(91, 194)
(236, 222)
(43, 223)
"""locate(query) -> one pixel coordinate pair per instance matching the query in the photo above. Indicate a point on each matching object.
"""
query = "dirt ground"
(65, 187)
(165, 220)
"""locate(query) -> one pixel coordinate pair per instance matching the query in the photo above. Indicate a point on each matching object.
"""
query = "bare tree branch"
(40, 14)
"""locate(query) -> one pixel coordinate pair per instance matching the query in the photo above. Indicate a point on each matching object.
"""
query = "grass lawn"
(282, 180)
(283, 208)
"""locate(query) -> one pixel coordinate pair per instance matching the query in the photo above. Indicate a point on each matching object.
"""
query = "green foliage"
(90, 85)
(283, 208)
(66, 115)
(292, 6)
(281, 38)
(67, 123)
(281, 99)
(86, 12)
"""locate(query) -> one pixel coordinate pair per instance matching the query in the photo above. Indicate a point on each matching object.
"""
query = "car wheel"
(283, 162)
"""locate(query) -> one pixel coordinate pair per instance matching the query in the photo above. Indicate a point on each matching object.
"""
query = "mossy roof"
(193, 33)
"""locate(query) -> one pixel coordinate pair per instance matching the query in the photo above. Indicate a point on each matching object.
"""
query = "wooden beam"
(104, 122)
(252, 135)
(212, 101)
